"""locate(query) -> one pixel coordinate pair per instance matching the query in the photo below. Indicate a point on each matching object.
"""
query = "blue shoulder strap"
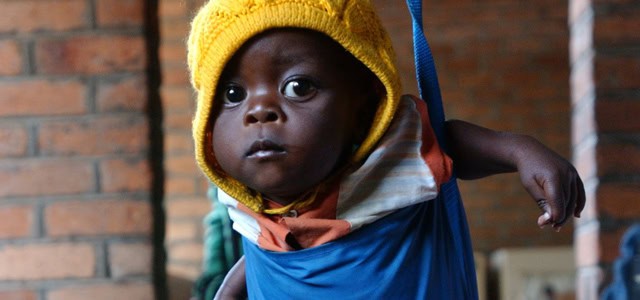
(428, 85)
(451, 221)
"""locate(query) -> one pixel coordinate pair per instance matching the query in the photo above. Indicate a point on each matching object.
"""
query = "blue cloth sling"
(419, 252)
(429, 89)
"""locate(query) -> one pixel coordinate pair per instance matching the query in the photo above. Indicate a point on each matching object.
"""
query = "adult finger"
(556, 195)
(544, 219)
(538, 194)
(569, 202)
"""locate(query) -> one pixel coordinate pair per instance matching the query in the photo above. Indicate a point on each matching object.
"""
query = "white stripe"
(243, 223)
(385, 183)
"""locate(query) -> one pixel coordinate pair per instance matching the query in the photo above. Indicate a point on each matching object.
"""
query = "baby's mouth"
(265, 149)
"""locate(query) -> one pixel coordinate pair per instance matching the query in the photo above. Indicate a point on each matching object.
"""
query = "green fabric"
(222, 248)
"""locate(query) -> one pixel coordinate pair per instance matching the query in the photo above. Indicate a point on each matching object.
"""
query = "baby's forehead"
(286, 44)
(277, 54)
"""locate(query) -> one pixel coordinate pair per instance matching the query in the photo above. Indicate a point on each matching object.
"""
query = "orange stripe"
(272, 235)
(313, 227)
(440, 164)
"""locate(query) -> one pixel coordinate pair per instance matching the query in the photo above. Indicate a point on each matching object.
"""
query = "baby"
(331, 176)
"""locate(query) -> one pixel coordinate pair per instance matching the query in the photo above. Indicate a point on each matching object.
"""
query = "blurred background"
(100, 197)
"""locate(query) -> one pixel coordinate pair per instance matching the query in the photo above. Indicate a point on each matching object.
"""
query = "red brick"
(178, 120)
(96, 136)
(617, 72)
(16, 221)
(478, 204)
(90, 54)
(618, 115)
(475, 79)
(509, 217)
(177, 143)
(181, 165)
(130, 259)
(612, 30)
(180, 231)
(129, 94)
(14, 141)
(186, 252)
(618, 159)
(125, 175)
(202, 184)
(173, 53)
(484, 233)
(47, 261)
(25, 98)
(532, 231)
(98, 217)
(526, 46)
(120, 12)
(551, 61)
(174, 30)
(35, 15)
(11, 57)
(45, 177)
(610, 244)
(123, 290)
(169, 9)
(612, 3)
(184, 271)
(618, 200)
(469, 111)
(179, 186)
(19, 295)
(175, 75)
(177, 99)
(188, 208)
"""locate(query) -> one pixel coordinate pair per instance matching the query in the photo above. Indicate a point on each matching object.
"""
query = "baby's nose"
(262, 113)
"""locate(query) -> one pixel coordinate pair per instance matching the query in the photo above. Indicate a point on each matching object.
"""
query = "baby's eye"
(234, 94)
(299, 89)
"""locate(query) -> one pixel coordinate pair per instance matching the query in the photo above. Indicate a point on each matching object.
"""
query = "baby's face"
(288, 111)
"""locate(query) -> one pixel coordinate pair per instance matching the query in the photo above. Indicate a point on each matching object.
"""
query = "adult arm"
(234, 285)
(549, 178)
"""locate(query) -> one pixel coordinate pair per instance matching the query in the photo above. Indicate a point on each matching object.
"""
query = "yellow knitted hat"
(222, 26)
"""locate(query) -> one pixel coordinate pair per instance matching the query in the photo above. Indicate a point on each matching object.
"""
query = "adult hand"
(552, 182)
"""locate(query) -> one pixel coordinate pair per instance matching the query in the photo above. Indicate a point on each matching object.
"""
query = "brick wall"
(76, 216)
(605, 36)
(80, 158)
(185, 187)
(503, 65)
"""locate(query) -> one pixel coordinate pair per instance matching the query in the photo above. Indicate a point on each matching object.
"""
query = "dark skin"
(291, 105)
(549, 178)
(288, 116)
